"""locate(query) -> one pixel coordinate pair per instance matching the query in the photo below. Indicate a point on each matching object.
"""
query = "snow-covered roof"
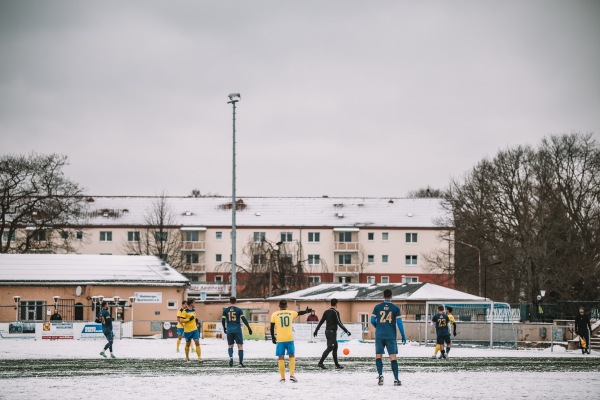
(48, 269)
(370, 292)
(269, 211)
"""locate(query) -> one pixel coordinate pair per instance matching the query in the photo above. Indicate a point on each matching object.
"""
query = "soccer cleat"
(339, 366)
(293, 379)
(112, 355)
(320, 365)
(200, 361)
(380, 380)
(397, 383)
(187, 359)
(102, 354)
(434, 357)
(231, 362)
(282, 380)
(178, 349)
(242, 365)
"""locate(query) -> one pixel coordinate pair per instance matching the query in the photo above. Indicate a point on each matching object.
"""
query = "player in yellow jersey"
(190, 329)
(282, 322)
(452, 326)
(179, 325)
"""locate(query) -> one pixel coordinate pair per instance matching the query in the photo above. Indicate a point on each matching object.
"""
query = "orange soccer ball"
(346, 351)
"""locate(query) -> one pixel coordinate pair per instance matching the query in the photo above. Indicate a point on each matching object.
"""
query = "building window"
(314, 237)
(371, 236)
(172, 304)
(344, 259)
(133, 236)
(161, 236)
(260, 236)
(314, 259)
(385, 236)
(39, 236)
(345, 237)
(286, 236)
(314, 279)
(32, 310)
(192, 258)
(385, 279)
(64, 235)
(219, 278)
(370, 258)
(410, 279)
(192, 236)
(219, 257)
(345, 279)
(218, 235)
(370, 279)
(259, 259)
(5, 237)
(106, 236)
(364, 321)
(384, 259)
(411, 260)
(412, 237)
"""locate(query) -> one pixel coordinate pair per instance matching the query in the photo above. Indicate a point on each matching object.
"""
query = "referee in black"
(332, 317)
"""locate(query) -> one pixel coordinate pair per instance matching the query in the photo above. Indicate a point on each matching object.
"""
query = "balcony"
(346, 269)
(346, 246)
(193, 268)
(193, 246)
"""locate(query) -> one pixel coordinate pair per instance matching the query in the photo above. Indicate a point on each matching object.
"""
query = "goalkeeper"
(190, 330)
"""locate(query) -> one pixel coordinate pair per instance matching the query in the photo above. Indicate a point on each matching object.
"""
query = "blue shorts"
(193, 335)
(390, 344)
(441, 339)
(235, 337)
(282, 347)
(109, 334)
(179, 332)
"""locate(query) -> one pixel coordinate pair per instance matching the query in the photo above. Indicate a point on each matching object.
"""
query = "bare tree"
(160, 235)
(38, 204)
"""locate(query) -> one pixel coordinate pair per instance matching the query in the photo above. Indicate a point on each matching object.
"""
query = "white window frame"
(370, 259)
(385, 259)
(370, 236)
(191, 236)
(385, 279)
(218, 235)
(371, 279)
(189, 258)
(411, 259)
(133, 236)
(410, 279)
(385, 236)
(219, 278)
(411, 237)
(259, 236)
(106, 236)
(218, 257)
(172, 304)
(314, 259)
(314, 237)
(314, 279)
(286, 237)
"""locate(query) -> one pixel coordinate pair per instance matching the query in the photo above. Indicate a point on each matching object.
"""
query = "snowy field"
(151, 369)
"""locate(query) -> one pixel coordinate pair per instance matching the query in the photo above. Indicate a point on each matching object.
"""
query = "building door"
(78, 312)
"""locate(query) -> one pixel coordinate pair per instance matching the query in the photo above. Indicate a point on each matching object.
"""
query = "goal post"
(484, 323)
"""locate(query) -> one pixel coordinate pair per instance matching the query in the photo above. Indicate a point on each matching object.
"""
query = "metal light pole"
(233, 98)
(485, 276)
(478, 261)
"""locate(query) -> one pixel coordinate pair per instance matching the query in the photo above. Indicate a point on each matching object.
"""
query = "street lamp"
(478, 260)
(485, 276)
(56, 298)
(271, 268)
(233, 98)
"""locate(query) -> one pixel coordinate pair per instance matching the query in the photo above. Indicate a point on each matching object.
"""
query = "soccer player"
(179, 325)
(105, 318)
(190, 329)
(384, 318)
(332, 319)
(232, 326)
(449, 345)
(284, 340)
(441, 322)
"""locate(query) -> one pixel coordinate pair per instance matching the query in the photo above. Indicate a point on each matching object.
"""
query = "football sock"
(198, 351)
(178, 343)
(447, 350)
(437, 349)
(282, 368)
(230, 352)
(395, 369)
(187, 351)
(379, 364)
(292, 365)
(241, 355)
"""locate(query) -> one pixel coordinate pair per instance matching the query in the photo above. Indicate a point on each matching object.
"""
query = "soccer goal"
(477, 323)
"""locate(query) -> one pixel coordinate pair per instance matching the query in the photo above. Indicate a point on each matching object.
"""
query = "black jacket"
(582, 322)
(332, 319)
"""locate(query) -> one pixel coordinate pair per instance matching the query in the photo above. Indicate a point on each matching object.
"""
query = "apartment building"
(351, 240)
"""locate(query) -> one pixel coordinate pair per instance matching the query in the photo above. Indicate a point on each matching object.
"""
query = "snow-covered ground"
(422, 378)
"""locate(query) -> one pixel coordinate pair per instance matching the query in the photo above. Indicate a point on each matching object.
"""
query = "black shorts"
(331, 338)
(441, 339)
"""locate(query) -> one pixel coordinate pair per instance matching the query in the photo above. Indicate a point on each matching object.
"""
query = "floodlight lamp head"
(56, 298)
(116, 299)
(132, 299)
(17, 299)
(234, 97)
(100, 298)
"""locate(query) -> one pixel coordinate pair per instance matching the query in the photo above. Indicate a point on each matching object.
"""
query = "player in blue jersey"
(232, 326)
(442, 323)
(106, 320)
(386, 316)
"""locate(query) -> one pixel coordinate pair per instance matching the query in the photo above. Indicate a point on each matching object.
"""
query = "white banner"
(55, 331)
(148, 297)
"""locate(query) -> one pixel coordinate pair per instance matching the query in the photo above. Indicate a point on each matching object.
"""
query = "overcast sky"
(339, 98)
